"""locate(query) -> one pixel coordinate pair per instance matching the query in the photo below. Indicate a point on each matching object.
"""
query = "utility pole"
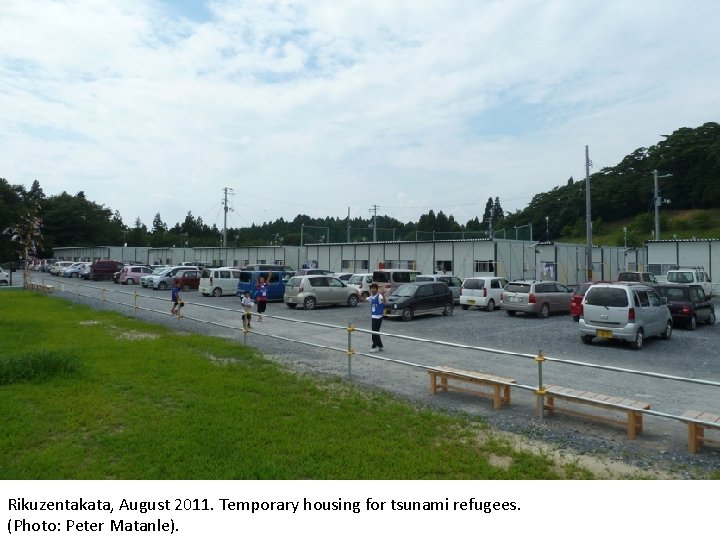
(348, 226)
(225, 208)
(588, 214)
(374, 210)
(658, 202)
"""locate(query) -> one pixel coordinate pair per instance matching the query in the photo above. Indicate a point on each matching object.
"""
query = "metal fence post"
(350, 352)
(541, 389)
(135, 302)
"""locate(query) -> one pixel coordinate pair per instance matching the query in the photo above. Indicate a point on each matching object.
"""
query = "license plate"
(471, 302)
(604, 333)
(516, 299)
(387, 312)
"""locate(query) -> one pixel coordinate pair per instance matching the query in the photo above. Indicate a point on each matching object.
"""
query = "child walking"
(247, 305)
(261, 298)
(175, 299)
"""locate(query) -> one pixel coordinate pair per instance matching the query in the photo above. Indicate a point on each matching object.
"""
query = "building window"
(487, 267)
(280, 262)
(443, 267)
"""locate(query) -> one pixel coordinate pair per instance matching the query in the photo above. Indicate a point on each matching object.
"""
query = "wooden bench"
(501, 385)
(632, 408)
(696, 428)
(41, 287)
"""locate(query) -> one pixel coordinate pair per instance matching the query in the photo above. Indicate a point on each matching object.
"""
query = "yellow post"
(541, 389)
(350, 352)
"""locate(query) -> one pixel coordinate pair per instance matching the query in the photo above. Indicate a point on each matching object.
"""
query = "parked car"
(624, 311)
(453, 282)
(420, 298)
(482, 292)
(131, 274)
(687, 303)
(73, 271)
(147, 280)
(57, 268)
(187, 276)
(4, 277)
(343, 276)
(388, 279)
(275, 280)
(577, 298)
(362, 283)
(314, 272)
(540, 298)
(695, 275)
(105, 269)
(219, 281)
(310, 291)
(637, 277)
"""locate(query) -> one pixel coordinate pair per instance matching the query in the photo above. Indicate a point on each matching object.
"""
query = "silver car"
(626, 312)
(314, 290)
(535, 297)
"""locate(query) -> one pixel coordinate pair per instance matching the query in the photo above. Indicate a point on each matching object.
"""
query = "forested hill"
(691, 155)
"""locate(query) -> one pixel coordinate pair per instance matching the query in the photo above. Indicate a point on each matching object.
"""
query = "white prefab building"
(514, 259)
(664, 254)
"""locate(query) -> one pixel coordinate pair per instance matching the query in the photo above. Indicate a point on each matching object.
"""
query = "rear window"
(473, 284)
(606, 296)
(294, 282)
(518, 287)
(680, 277)
(424, 278)
(206, 273)
(672, 293)
(628, 276)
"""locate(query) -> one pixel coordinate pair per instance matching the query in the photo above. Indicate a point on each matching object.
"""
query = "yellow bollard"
(540, 358)
(350, 351)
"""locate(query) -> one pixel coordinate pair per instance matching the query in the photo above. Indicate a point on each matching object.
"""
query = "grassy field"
(95, 395)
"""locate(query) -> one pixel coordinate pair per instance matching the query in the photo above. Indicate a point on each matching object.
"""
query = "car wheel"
(130, 281)
(449, 308)
(638, 341)
(217, 291)
(667, 334)
(544, 311)
(692, 323)
(490, 305)
(365, 295)
(464, 306)
(407, 314)
(353, 300)
(711, 318)
(587, 340)
(291, 305)
(510, 313)
(162, 285)
(309, 303)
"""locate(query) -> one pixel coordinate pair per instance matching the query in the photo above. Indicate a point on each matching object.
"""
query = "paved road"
(687, 355)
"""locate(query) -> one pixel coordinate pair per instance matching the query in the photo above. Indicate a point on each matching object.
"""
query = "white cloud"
(311, 107)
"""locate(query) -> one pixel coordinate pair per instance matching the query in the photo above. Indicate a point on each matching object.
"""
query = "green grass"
(130, 400)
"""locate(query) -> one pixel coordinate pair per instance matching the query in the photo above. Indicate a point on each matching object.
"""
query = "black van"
(104, 269)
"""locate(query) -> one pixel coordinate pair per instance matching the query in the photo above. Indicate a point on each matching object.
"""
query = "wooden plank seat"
(500, 385)
(696, 428)
(630, 407)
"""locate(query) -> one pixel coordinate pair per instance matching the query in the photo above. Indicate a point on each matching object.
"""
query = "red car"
(576, 309)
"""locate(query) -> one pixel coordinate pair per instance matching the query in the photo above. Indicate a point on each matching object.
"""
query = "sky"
(327, 106)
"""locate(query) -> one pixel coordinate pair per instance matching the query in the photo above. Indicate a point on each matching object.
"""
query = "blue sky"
(314, 107)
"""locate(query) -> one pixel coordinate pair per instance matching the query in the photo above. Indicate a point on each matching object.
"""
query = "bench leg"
(696, 433)
(444, 383)
(496, 396)
(506, 396)
(631, 425)
(433, 384)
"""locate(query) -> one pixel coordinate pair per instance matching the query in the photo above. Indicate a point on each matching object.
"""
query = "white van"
(219, 281)
(389, 279)
(362, 283)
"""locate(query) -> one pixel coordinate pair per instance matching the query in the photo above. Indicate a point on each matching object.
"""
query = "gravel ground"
(661, 449)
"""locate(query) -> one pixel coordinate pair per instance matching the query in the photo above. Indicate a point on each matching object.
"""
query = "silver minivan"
(626, 312)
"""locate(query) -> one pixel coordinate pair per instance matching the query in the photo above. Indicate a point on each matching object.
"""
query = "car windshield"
(606, 296)
(158, 271)
(405, 290)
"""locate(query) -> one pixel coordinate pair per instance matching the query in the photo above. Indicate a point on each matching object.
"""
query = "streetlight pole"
(658, 202)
